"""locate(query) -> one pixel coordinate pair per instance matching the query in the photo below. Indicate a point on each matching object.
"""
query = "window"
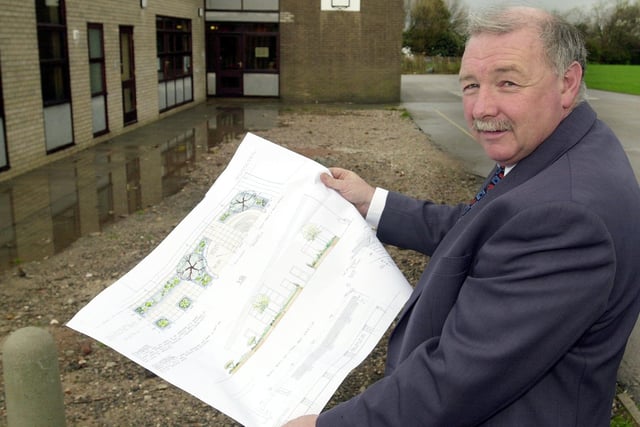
(52, 46)
(54, 74)
(174, 62)
(259, 45)
(261, 52)
(243, 5)
(97, 79)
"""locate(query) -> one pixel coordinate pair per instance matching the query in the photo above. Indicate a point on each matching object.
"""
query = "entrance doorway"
(242, 59)
(128, 76)
(229, 48)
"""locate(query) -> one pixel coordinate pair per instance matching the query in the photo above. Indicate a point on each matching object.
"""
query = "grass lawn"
(614, 78)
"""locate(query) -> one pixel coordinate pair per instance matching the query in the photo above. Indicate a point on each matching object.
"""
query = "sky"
(559, 5)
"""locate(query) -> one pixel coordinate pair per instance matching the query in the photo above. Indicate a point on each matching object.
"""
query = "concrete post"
(33, 390)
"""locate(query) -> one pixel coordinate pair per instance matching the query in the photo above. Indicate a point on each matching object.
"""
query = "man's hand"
(304, 421)
(350, 186)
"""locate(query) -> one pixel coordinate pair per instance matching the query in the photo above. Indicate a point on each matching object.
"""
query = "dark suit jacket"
(523, 312)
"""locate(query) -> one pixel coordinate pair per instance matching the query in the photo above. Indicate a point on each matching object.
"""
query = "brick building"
(74, 73)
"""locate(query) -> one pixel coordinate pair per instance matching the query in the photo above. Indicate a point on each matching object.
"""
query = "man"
(523, 312)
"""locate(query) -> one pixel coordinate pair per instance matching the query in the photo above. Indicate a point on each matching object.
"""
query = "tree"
(431, 29)
(612, 32)
(623, 34)
(458, 12)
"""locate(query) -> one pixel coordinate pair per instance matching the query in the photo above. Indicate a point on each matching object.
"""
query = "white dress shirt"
(379, 201)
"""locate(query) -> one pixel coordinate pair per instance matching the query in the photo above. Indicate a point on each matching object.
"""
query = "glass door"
(128, 77)
(97, 78)
(4, 158)
(230, 66)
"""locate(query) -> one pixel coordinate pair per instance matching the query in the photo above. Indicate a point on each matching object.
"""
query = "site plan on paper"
(262, 299)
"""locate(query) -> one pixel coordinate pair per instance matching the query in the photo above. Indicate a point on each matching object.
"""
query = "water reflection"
(42, 212)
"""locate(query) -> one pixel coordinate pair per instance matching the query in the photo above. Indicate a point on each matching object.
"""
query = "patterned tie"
(497, 176)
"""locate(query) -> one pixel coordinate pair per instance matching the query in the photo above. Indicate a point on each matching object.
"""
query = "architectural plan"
(262, 300)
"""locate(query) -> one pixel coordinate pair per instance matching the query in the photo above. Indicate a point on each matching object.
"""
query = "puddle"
(44, 211)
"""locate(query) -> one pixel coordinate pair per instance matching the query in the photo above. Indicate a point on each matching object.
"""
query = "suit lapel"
(567, 134)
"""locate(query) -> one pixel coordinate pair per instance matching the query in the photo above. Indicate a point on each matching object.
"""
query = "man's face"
(512, 98)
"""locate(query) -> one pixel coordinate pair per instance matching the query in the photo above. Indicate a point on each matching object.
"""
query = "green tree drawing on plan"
(261, 303)
(311, 232)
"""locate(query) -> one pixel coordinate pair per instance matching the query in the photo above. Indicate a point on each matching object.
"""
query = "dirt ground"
(103, 388)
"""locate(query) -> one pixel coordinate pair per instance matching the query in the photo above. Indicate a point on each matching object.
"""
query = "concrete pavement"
(434, 103)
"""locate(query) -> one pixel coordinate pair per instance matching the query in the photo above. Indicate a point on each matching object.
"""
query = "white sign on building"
(344, 5)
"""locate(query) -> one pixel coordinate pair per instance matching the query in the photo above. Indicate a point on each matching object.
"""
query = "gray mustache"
(491, 125)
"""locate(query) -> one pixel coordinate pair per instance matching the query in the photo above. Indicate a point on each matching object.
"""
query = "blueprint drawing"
(264, 297)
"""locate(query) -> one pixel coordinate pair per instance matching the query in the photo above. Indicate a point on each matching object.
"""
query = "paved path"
(435, 105)
(433, 100)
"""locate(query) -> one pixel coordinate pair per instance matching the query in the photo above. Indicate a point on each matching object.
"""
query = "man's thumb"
(328, 180)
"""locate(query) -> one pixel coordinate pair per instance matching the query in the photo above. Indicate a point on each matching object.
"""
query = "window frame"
(99, 60)
(174, 44)
(54, 68)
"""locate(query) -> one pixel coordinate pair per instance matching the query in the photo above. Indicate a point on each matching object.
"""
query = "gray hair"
(562, 42)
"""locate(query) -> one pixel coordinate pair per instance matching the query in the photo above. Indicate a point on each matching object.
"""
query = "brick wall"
(21, 83)
(21, 71)
(334, 56)
(338, 55)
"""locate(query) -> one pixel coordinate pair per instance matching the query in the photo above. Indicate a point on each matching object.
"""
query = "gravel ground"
(101, 387)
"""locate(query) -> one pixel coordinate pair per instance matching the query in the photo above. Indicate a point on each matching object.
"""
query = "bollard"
(33, 390)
